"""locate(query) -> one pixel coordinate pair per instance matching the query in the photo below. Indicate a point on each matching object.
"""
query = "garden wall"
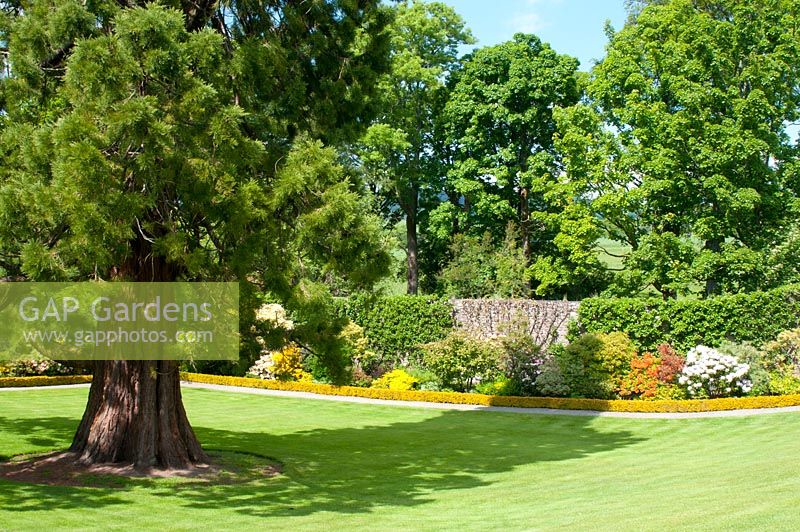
(489, 318)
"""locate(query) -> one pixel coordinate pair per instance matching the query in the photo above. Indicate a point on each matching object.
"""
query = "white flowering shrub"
(263, 367)
(34, 367)
(275, 315)
(709, 373)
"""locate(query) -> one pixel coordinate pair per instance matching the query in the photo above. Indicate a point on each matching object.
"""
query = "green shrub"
(356, 348)
(595, 364)
(757, 360)
(783, 384)
(755, 317)
(460, 361)
(782, 362)
(550, 382)
(397, 326)
(501, 386)
(784, 352)
(670, 392)
(427, 380)
(479, 268)
(772, 369)
(521, 357)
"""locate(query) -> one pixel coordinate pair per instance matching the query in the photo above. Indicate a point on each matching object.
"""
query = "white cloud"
(527, 22)
(527, 19)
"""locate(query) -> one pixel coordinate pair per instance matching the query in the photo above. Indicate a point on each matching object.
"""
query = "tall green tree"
(184, 142)
(500, 119)
(691, 161)
(397, 151)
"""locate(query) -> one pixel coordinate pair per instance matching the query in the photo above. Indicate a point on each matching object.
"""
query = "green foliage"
(775, 369)
(783, 384)
(499, 121)
(784, 351)
(148, 144)
(470, 274)
(551, 382)
(759, 372)
(460, 361)
(397, 153)
(427, 380)
(521, 357)
(479, 268)
(755, 317)
(683, 149)
(357, 347)
(396, 326)
(500, 386)
(670, 392)
(594, 364)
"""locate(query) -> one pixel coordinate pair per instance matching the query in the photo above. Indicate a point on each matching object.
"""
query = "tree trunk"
(712, 283)
(525, 235)
(135, 415)
(412, 270)
(525, 224)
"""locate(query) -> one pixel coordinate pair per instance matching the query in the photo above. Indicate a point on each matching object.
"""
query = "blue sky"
(573, 27)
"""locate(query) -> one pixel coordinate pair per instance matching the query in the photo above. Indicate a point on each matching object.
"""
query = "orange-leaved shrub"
(642, 380)
(671, 364)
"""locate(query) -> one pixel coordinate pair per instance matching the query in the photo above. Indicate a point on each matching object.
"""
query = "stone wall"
(488, 318)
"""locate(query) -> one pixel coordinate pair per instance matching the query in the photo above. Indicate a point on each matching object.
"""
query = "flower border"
(560, 403)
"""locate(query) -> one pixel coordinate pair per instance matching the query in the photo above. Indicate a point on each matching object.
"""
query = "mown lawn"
(375, 467)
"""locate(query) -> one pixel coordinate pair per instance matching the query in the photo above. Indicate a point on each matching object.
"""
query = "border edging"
(559, 403)
(597, 405)
(27, 382)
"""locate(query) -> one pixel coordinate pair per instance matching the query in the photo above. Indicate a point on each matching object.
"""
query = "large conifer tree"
(182, 141)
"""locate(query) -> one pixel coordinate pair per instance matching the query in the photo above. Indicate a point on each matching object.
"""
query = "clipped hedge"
(25, 382)
(396, 326)
(755, 317)
(599, 405)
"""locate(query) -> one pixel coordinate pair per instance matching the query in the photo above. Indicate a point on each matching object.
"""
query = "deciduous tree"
(397, 151)
(691, 160)
(500, 118)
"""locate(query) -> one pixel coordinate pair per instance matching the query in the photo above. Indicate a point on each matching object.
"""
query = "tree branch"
(56, 61)
(198, 13)
(604, 250)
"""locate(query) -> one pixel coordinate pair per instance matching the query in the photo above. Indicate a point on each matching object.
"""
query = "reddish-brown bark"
(135, 415)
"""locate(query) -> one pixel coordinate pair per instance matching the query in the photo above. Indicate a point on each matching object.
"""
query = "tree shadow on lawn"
(345, 470)
(38, 434)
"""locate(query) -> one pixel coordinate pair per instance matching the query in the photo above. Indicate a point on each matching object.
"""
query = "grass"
(611, 253)
(380, 467)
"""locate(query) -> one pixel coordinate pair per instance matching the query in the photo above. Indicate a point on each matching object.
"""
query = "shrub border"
(560, 403)
(599, 405)
(25, 382)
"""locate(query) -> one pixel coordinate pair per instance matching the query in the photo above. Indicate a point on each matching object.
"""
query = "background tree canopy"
(255, 142)
(670, 169)
(689, 157)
